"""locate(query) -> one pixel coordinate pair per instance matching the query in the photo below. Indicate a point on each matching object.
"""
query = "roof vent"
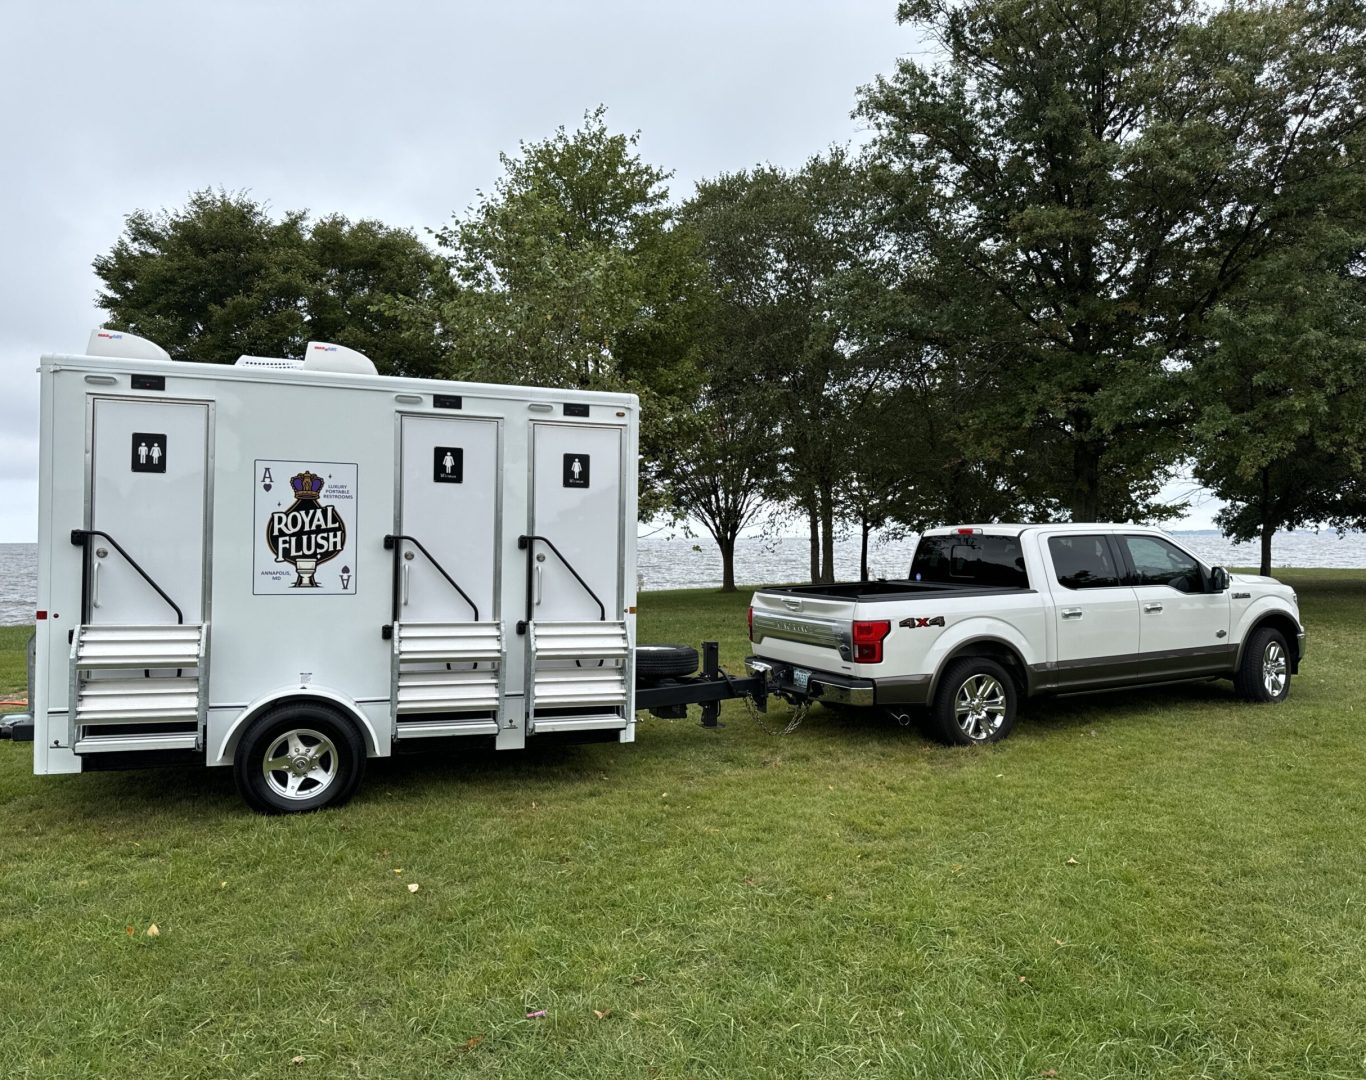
(123, 346)
(272, 363)
(322, 356)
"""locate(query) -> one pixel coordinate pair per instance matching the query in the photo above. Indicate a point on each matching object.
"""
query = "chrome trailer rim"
(300, 764)
(980, 707)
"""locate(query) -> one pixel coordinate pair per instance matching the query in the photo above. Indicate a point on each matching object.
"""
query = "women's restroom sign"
(576, 470)
(448, 465)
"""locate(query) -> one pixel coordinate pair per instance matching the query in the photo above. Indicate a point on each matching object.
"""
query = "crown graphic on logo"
(306, 485)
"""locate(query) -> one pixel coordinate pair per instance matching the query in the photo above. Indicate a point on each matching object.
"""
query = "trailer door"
(148, 492)
(447, 628)
(139, 659)
(579, 667)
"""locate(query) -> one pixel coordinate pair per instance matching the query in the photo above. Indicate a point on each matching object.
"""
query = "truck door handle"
(1071, 613)
(1152, 608)
(538, 585)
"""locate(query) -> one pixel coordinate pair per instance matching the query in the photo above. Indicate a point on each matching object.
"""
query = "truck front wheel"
(1264, 674)
(975, 702)
(298, 757)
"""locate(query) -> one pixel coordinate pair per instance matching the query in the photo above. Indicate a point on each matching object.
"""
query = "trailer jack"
(668, 697)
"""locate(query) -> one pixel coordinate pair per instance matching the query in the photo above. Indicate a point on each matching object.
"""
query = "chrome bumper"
(836, 689)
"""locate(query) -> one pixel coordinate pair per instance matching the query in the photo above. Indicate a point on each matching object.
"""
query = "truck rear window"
(970, 560)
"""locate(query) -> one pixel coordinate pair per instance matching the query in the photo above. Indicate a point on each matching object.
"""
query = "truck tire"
(297, 758)
(975, 702)
(1264, 673)
(657, 661)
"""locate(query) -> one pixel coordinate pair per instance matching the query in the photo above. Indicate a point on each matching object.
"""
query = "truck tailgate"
(809, 632)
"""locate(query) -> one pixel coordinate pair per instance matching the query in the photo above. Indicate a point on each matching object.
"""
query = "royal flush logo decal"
(305, 519)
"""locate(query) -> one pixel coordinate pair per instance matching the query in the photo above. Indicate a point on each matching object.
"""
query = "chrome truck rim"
(980, 707)
(300, 764)
(1274, 669)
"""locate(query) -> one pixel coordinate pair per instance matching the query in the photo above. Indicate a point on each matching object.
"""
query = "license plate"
(800, 677)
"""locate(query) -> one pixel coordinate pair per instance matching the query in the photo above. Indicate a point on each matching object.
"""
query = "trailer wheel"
(664, 660)
(975, 702)
(299, 757)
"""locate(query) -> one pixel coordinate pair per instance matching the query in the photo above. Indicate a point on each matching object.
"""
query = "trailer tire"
(665, 660)
(319, 753)
(975, 702)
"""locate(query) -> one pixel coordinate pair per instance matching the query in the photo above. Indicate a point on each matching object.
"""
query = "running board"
(431, 729)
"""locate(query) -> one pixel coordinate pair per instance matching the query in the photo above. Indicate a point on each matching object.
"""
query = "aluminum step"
(580, 641)
(577, 687)
(603, 722)
(429, 729)
(145, 675)
(110, 647)
(425, 683)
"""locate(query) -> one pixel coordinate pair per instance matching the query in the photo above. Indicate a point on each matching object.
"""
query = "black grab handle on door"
(524, 543)
(391, 544)
(81, 538)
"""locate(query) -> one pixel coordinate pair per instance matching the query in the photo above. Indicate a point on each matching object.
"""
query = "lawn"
(1159, 883)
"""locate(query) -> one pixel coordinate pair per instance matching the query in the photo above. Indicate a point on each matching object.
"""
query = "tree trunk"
(863, 551)
(827, 537)
(1268, 526)
(1085, 481)
(813, 522)
(727, 546)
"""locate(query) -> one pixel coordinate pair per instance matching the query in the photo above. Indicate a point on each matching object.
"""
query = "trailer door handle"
(1152, 608)
(95, 584)
(1071, 613)
(407, 574)
(539, 590)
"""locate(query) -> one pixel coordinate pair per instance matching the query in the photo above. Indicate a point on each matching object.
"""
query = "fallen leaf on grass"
(222, 884)
(536, 1014)
(153, 931)
(1071, 862)
(602, 1014)
(297, 1059)
(1059, 941)
(473, 1041)
(1049, 1072)
(129, 931)
(414, 887)
(1023, 979)
(398, 870)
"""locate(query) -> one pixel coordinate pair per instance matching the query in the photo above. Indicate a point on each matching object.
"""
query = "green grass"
(13, 672)
(1165, 883)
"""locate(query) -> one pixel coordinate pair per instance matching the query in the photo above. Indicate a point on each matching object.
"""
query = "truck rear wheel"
(975, 702)
(1264, 674)
(297, 758)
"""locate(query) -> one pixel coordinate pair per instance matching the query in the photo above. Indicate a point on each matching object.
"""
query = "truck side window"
(1083, 562)
(1159, 563)
(970, 560)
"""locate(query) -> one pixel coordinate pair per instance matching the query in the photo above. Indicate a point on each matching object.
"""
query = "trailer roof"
(305, 377)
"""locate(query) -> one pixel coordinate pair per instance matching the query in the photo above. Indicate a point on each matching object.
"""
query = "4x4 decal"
(916, 623)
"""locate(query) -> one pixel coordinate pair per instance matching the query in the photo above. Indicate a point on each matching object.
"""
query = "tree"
(221, 277)
(1282, 431)
(775, 244)
(570, 274)
(1080, 183)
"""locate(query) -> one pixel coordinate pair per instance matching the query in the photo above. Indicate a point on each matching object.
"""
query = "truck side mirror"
(1219, 579)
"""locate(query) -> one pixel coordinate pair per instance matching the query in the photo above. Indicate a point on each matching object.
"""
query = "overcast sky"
(395, 111)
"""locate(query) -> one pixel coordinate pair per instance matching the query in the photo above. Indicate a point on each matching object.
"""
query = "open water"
(682, 563)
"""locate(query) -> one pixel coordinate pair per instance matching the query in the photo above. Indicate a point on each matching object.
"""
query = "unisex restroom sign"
(448, 465)
(149, 452)
(304, 523)
(576, 470)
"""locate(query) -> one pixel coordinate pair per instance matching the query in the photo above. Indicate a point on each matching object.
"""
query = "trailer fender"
(228, 747)
(985, 635)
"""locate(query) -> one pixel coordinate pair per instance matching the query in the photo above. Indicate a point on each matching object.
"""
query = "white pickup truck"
(993, 613)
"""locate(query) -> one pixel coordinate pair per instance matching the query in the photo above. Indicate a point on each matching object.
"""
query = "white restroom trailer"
(291, 566)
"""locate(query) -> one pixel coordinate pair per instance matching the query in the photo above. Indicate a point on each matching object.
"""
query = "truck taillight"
(751, 624)
(868, 640)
